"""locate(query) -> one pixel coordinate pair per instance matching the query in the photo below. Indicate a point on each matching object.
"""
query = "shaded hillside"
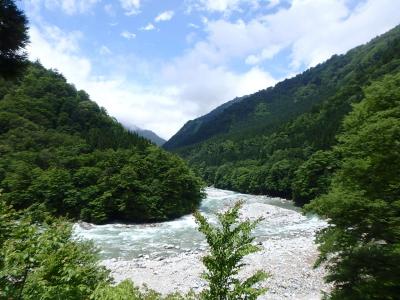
(150, 135)
(276, 140)
(61, 152)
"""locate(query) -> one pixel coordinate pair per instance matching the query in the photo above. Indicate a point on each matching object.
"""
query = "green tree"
(13, 37)
(362, 244)
(229, 243)
(126, 290)
(62, 150)
(42, 261)
(312, 178)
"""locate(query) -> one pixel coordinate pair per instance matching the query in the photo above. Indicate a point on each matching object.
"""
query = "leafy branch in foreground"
(229, 243)
(43, 261)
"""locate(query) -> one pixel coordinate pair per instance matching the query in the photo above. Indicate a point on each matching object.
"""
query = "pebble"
(287, 258)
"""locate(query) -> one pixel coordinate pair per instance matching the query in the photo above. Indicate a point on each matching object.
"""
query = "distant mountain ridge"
(150, 135)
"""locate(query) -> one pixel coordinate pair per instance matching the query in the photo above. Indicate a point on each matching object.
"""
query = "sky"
(156, 64)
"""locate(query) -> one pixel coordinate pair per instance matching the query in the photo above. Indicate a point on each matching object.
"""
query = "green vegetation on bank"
(43, 261)
(60, 149)
(362, 244)
(278, 141)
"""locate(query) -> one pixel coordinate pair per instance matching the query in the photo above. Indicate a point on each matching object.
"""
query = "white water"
(169, 238)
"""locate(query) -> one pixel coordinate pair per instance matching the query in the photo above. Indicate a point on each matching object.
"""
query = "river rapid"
(167, 256)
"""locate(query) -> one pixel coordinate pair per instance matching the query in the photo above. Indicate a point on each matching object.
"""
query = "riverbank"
(288, 252)
(289, 262)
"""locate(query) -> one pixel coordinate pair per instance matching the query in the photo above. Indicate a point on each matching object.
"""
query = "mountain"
(61, 153)
(278, 141)
(150, 135)
(189, 131)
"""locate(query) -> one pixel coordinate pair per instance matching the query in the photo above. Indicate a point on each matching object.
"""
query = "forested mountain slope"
(62, 153)
(277, 141)
(150, 135)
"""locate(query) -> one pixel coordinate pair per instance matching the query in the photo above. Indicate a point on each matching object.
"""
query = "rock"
(85, 225)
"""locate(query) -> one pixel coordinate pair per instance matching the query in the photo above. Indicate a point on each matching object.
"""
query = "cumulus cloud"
(311, 30)
(266, 53)
(148, 27)
(225, 6)
(164, 16)
(128, 35)
(70, 7)
(131, 7)
(59, 50)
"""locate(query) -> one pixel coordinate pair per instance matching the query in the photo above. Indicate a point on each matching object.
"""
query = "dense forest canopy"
(361, 245)
(278, 141)
(61, 151)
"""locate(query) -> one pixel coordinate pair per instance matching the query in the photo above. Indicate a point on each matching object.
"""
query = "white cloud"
(266, 53)
(104, 50)
(273, 3)
(192, 25)
(70, 7)
(204, 85)
(148, 27)
(59, 50)
(312, 30)
(224, 6)
(164, 16)
(131, 7)
(128, 35)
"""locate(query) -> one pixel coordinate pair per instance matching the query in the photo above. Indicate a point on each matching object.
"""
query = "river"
(169, 238)
(167, 256)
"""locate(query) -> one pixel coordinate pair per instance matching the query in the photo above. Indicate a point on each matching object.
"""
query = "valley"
(289, 191)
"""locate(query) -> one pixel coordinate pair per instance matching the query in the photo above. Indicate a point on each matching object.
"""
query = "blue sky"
(157, 64)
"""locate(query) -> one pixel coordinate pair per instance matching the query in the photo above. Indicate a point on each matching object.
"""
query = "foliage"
(127, 290)
(43, 262)
(61, 150)
(13, 37)
(313, 177)
(362, 244)
(274, 141)
(228, 244)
